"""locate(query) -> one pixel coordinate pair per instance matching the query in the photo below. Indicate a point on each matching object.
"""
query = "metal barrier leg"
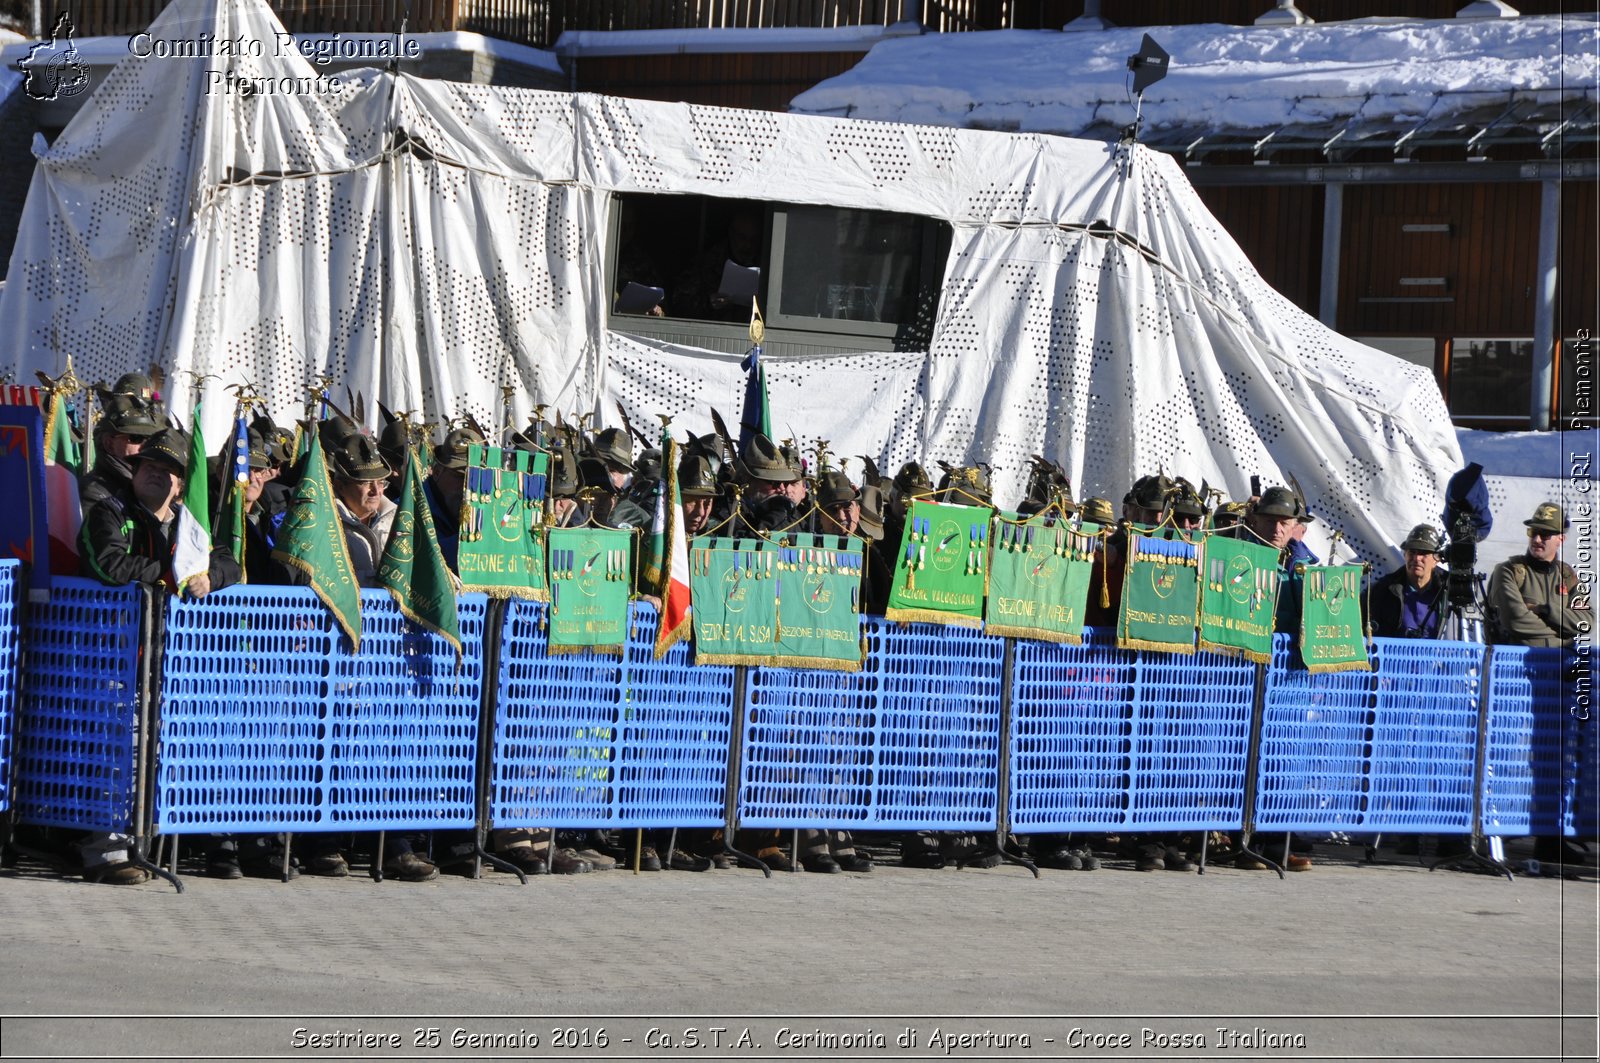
(377, 859)
(288, 859)
(1473, 856)
(1258, 712)
(1002, 820)
(488, 720)
(731, 791)
(136, 855)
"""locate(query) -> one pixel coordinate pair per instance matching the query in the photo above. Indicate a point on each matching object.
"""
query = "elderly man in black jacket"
(1410, 601)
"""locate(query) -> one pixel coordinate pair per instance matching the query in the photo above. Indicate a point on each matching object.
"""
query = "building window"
(685, 268)
(1490, 379)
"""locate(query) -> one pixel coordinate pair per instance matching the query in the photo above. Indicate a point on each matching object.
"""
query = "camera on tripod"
(1467, 517)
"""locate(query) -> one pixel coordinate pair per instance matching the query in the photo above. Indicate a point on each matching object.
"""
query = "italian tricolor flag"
(668, 545)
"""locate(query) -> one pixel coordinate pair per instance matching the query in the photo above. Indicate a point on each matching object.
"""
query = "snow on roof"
(1378, 71)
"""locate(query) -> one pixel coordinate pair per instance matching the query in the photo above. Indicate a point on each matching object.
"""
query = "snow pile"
(1220, 77)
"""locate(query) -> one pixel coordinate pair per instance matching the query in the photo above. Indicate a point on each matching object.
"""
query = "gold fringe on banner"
(1340, 666)
(1254, 656)
(932, 616)
(532, 594)
(616, 650)
(1159, 647)
(1038, 634)
(666, 640)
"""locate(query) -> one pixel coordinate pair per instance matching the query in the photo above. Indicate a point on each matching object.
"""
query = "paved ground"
(1379, 949)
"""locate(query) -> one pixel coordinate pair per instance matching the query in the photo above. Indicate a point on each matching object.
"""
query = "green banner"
(732, 583)
(1332, 638)
(819, 603)
(501, 548)
(1039, 578)
(413, 567)
(796, 606)
(1160, 595)
(591, 580)
(311, 540)
(942, 570)
(1238, 598)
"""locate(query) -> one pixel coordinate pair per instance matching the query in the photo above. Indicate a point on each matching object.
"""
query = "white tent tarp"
(429, 242)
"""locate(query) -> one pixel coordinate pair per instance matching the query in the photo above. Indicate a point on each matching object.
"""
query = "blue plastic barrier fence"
(76, 741)
(1388, 750)
(1071, 734)
(10, 613)
(1424, 735)
(1109, 739)
(910, 742)
(1190, 742)
(1534, 751)
(1316, 746)
(596, 740)
(269, 723)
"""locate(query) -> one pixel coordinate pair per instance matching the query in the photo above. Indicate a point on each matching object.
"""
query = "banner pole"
(488, 722)
(150, 643)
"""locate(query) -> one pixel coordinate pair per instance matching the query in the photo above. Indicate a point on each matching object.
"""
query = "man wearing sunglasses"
(1536, 595)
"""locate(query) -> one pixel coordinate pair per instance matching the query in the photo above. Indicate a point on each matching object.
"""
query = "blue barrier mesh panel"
(1071, 734)
(556, 732)
(1424, 735)
(268, 723)
(10, 587)
(1316, 745)
(77, 711)
(1191, 734)
(1533, 749)
(910, 742)
(676, 726)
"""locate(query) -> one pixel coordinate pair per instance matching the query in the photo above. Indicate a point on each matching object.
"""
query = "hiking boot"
(775, 859)
(820, 864)
(327, 865)
(855, 862)
(121, 873)
(1296, 862)
(1062, 860)
(1149, 858)
(224, 865)
(1248, 862)
(1089, 861)
(524, 859)
(649, 859)
(598, 860)
(682, 860)
(1176, 859)
(409, 867)
(568, 862)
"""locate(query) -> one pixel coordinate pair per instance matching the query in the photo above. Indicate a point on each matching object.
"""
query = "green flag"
(941, 571)
(1332, 637)
(1160, 595)
(311, 541)
(1039, 578)
(1238, 598)
(413, 567)
(191, 550)
(228, 529)
(59, 445)
(591, 580)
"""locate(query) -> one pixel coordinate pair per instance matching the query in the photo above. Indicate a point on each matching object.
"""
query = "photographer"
(1410, 602)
